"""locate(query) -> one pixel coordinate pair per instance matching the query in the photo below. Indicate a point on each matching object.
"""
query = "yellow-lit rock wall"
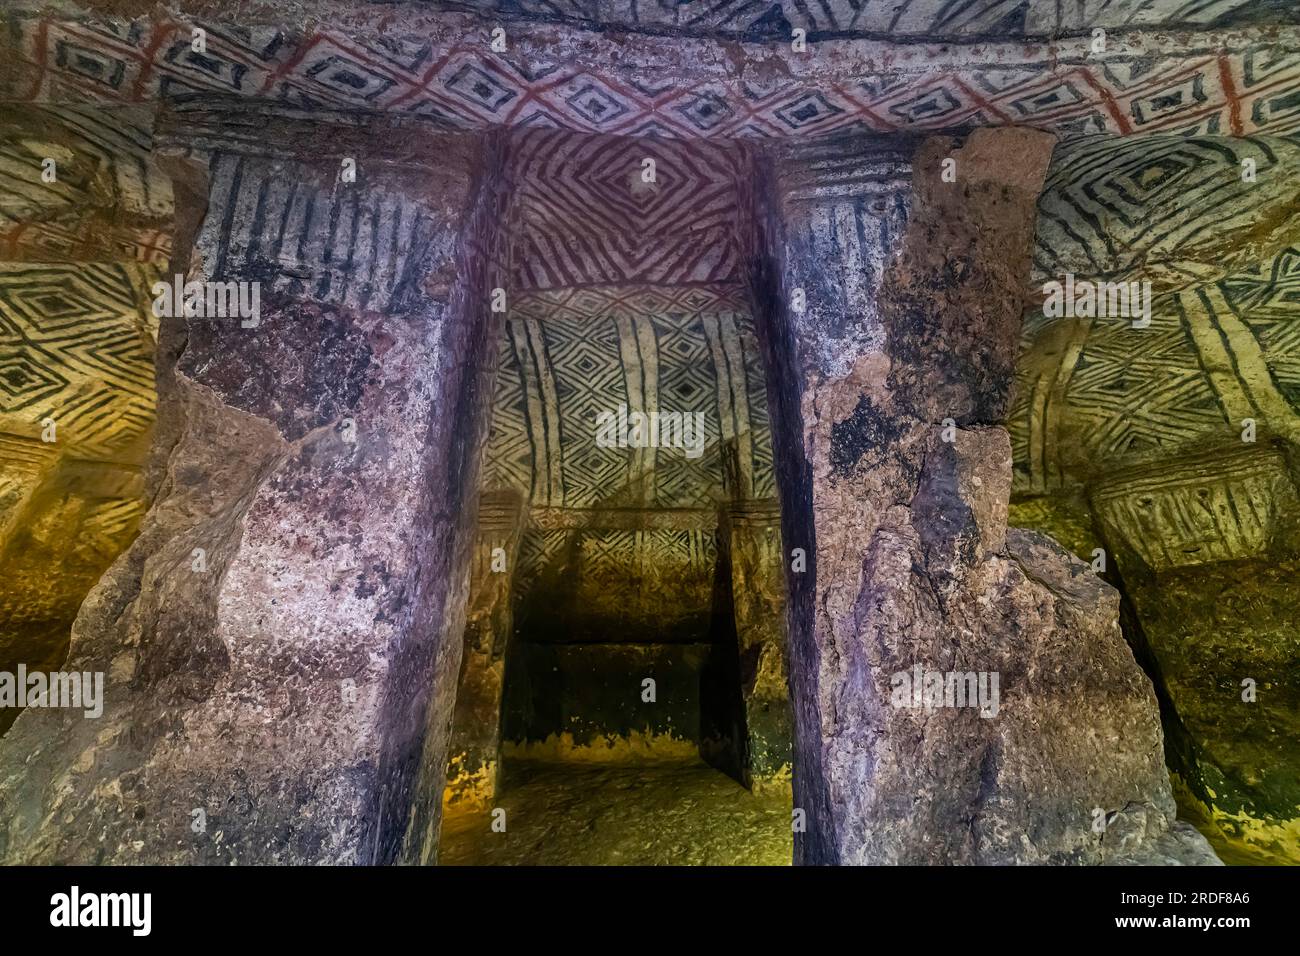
(84, 234)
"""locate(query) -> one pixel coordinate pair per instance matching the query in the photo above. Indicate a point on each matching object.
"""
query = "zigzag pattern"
(111, 522)
(76, 346)
(1089, 380)
(456, 82)
(1084, 15)
(611, 559)
(595, 183)
(550, 260)
(55, 242)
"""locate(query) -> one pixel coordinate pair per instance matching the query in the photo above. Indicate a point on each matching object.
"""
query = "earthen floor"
(654, 814)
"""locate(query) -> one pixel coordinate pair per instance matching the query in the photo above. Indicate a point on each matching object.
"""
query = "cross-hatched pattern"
(611, 561)
(1092, 394)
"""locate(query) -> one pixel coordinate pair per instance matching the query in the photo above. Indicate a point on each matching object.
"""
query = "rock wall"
(78, 254)
(283, 641)
(1163, 451)
(1203, 546)
(754, 565)
(473, 758)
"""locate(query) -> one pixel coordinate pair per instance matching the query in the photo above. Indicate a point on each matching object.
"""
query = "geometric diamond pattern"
(1171, 209)
(1123, 394)
(446, 73)
(584, 214)
(76, 345)
(558, 373)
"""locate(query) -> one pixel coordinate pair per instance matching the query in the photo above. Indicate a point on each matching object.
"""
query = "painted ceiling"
(769, 20)
(439, 67)
(626, 291)
(629, 294)
(774, 19)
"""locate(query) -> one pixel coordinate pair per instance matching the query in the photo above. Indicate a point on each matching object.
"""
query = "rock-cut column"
(751, 533)
(473, 762)
(961, 692)
(281, 642)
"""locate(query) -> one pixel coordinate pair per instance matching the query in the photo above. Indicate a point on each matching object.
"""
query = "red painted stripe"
(160, 35)
(41, 55)
(1230, 93)
(863, 110)
(292, 63)
(1108, 99)
(981, 102)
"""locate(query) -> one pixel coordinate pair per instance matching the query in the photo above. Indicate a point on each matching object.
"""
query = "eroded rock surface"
(889, 387)
(279, 672)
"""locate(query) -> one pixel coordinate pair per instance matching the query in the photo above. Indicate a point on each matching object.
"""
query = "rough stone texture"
(1207, 546)
(298, 690)
(753, 557)
(1135, 441)
(678, 814)
(895, 479)
(909, 324)
(1180, 845)
(1212, 629)
(474, 752)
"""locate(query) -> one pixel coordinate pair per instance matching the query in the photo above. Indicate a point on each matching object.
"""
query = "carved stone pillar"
(474, 757)
(894, 308)
(281, 642)
(752, 535)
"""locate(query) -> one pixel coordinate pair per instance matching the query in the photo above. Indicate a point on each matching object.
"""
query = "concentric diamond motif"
(474, 85)
(351, 79)
(705, 112)
(596, 105)
(24, 382)
(1169, 101)
(807, 110)
(932, 105)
